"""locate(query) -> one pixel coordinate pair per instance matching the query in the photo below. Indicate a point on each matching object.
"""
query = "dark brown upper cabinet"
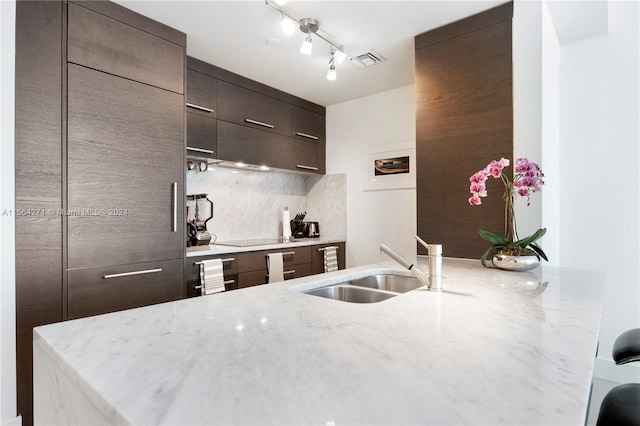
(110, 45)
(309, 140)
(202, 109)
(252, 109)
(241, 144)
(202, 94)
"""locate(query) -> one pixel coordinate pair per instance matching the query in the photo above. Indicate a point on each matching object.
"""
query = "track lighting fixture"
(309, 27)
(306, 46)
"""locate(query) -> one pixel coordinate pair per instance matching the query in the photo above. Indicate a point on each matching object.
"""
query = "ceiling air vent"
(367, 59)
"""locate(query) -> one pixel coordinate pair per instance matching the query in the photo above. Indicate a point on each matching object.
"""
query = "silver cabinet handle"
(302, 166)
(287, 253)
(229, 259)
(128, 274)
(293, 271)
(198, 107)
(229, 282)
(174, 190)
(259, 123)
(305, 135)
(206, 151)
(324, 248)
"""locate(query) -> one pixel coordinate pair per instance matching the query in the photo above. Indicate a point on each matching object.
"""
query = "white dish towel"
(331, 259)
(275, 267)
(211, 276)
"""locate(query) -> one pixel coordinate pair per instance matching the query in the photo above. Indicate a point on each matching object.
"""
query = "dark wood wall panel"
(464, 119)
(38, 181)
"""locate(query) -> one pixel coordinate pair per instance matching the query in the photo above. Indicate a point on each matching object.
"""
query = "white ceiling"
(233, 35)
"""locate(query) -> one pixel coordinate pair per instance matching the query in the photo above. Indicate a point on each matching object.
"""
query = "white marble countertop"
(495, 348)
(216, 249)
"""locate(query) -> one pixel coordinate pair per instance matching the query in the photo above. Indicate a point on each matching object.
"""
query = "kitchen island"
(495, 347)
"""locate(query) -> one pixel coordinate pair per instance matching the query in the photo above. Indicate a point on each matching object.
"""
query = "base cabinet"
(248, 269)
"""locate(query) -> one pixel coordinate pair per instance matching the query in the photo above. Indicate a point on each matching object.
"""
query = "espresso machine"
(199, 212)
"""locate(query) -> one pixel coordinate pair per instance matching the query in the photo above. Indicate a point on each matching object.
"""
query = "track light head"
(287, 25)
(339, 56)
(306, 46)
(331, 74)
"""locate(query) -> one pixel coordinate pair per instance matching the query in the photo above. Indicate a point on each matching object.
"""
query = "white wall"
(7, 225)
(599, 180)
(373, 217)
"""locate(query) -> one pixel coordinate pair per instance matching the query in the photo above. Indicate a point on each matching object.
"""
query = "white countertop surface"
(216, 249)
(495, 348)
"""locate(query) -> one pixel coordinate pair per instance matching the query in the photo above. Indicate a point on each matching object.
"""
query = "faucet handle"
(421, 241)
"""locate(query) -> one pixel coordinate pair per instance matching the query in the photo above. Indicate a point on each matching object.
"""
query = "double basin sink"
(369, 289)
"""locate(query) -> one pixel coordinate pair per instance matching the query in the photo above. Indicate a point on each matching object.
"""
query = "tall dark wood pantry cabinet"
(464, 119)
(100, 120)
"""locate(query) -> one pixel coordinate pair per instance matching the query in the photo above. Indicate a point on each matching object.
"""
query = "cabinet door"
(125, 171)
(202, 94)
(306, 156)
(103, 43)
(96, 291)
(307, 124)
(243, 106)
(241, 144)
(202, 135)
(317, 253)
(192, 273)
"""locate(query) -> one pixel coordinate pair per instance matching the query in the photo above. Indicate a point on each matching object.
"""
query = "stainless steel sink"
(370, 289)
(394, 283)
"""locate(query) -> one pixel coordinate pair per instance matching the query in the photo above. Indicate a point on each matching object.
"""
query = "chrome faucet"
(433, 280)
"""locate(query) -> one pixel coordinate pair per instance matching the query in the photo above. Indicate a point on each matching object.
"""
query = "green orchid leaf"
(532, 238)
(485, 255)
(492, 237)
(538, 251)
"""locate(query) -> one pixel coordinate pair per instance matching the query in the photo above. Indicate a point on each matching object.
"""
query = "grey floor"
(600, 389)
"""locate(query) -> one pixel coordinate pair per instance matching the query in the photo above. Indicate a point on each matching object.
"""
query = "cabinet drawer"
(241, 144)
(202, 134)
(317, 254)
(256, 260)
(99, 42)
(192, 273)
(253, 278)
(100, 290)
(202, 94)
(243, 106)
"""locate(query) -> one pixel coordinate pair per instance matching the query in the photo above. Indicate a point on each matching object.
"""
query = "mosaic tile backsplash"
(248, 204)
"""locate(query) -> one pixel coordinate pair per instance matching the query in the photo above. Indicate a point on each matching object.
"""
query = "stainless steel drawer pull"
(302, 166)
(324, 248)
(259, 123)
(229, 259)
(305, 135)
(229, 282)
(287, 253)
(293, 271)
(198, 107)
(174, 189)
(206, 151)
(128, 274)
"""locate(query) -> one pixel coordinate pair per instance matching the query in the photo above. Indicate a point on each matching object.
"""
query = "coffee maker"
(199, 212)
